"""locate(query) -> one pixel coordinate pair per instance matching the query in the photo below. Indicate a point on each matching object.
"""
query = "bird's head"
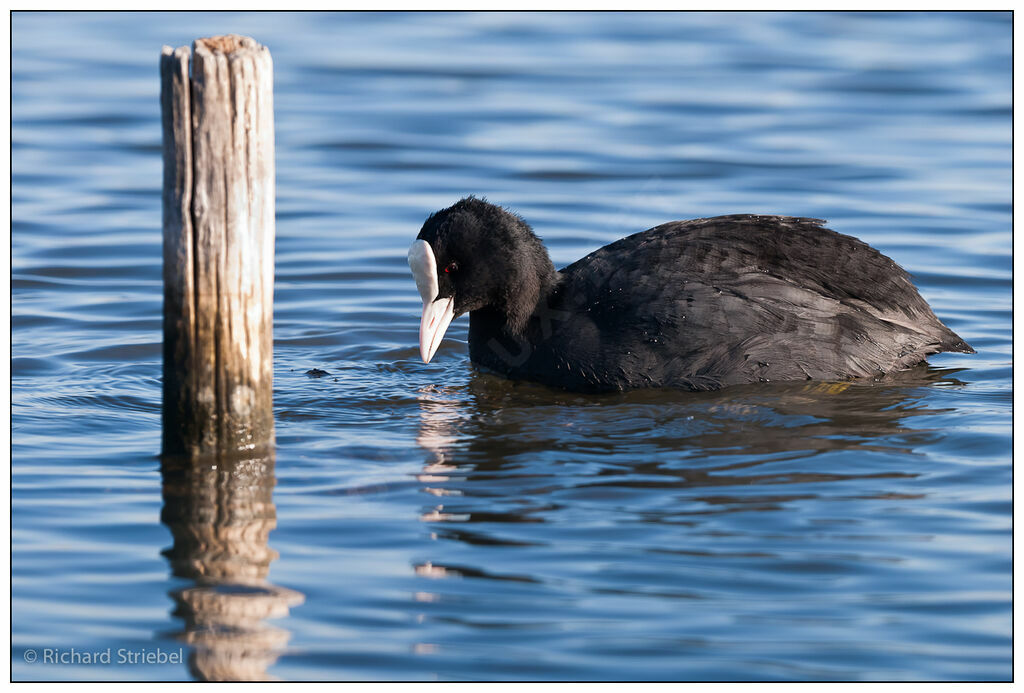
(475, 255)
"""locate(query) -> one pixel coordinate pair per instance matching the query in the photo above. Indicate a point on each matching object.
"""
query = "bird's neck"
(526, 292)
(503, 336)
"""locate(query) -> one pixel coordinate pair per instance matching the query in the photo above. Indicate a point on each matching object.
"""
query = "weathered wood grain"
(218, 130)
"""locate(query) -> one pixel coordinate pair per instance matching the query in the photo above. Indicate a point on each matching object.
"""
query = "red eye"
(451, 268)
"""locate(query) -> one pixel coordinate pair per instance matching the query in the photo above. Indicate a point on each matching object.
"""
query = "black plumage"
(698, 304)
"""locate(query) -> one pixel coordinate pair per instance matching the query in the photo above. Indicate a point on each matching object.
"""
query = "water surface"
(429, 522)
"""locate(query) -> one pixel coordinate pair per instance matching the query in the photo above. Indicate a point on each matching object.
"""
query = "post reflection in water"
(220, 514)
(500, 452)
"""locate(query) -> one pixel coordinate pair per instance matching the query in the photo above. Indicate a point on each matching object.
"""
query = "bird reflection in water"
(220, 514)
(490, 440)
(440, 413)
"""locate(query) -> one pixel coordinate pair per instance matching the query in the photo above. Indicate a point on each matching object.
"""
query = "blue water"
(429, 522)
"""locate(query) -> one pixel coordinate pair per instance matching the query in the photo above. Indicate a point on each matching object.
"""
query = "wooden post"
(218, 224)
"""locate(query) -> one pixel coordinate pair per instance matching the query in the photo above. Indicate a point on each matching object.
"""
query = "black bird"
(698, 304)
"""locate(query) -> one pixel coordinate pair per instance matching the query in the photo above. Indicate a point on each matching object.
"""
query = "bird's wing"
(746, 298)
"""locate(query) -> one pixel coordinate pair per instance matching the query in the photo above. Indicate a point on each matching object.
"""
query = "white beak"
(437, 312)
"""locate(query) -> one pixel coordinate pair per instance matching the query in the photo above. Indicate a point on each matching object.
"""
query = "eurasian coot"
(698, 304)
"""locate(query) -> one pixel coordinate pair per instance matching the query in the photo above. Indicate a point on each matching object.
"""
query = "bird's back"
(744, 298)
